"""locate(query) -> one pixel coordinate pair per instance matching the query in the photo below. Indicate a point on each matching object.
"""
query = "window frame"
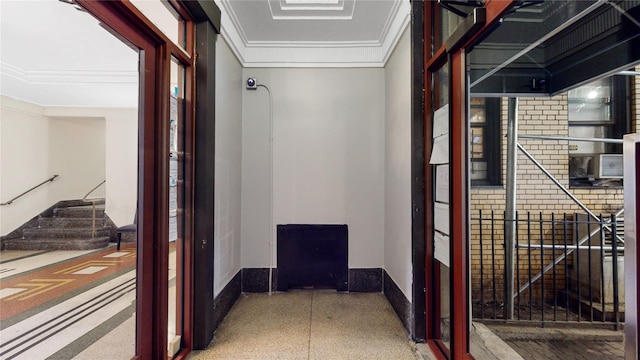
(492, 143)
(619, 125)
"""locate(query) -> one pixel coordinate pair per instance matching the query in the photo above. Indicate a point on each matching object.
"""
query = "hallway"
(310, 324)
(90, 308)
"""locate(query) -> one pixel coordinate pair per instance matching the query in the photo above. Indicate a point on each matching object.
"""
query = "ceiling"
(54, 54)
(313, 33)
(546, 48)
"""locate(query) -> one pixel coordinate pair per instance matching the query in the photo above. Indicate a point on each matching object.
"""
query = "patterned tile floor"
(28, 290)
(50, 301)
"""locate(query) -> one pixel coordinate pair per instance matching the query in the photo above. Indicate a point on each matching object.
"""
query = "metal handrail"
(93, 207)
(92, 190)
(28, 191)
(563, 188)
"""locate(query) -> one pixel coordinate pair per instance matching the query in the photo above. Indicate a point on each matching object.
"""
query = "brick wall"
(536, 193)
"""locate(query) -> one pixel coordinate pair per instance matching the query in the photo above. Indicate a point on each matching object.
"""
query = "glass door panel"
(176, 206)
(442, 246)
(69, 113)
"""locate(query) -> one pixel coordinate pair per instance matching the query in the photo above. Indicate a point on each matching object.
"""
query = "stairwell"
(65, 228)
(593, 285)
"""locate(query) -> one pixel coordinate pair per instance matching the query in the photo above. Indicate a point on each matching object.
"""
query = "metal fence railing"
(568, 268)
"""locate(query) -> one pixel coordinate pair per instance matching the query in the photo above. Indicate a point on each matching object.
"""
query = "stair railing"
(28, 191)
(93, 207)
(606, 225)
(569, 249)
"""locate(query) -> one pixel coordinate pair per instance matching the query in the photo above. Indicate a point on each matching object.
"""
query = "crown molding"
(373, 53)
(69, 76)
(396, 25)
(21, 106)
(83, 88)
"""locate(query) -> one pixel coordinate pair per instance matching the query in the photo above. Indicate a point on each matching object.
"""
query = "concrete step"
(584, 306)
(57, 244)
(520, 332)
(63, 222)
(64, 233)
(79, 212)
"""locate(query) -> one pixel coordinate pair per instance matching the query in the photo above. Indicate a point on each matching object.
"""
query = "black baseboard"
(398, 301)
(206, 322)
(226, 298)
(256, 280)
(365, 280)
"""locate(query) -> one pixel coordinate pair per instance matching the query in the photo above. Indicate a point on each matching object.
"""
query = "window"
(485, 148)
(598, 110)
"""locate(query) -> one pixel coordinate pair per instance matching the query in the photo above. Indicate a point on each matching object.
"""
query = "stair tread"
(69, 223)
(65, 233)
(61, 239)
(58, 244)
(67, 228)
(88, 206)
(71, 217)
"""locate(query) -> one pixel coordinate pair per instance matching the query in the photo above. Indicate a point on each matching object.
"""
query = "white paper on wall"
(442, 183)
(441, 250)
(441, 217)
(173, 228)
(440, 152)
(173, 124)
(441, 121)
(173, 198)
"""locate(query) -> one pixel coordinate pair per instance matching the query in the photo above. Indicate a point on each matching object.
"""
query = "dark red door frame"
(155, 49)
(455, 58)
(459, 208)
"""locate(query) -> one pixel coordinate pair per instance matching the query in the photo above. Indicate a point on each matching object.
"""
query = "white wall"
(120, 157)
(24, 148)
(229, 86)
(77, 154)
(122, 165)
(397, 243)
(328, 158)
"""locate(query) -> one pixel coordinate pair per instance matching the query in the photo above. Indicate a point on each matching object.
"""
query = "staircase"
(65, 228)
(596, 277)
(608, 238)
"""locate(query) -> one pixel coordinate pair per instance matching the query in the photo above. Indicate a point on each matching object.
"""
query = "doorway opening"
(70, 112)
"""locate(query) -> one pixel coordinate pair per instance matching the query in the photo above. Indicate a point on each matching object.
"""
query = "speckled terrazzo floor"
(318, 324)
